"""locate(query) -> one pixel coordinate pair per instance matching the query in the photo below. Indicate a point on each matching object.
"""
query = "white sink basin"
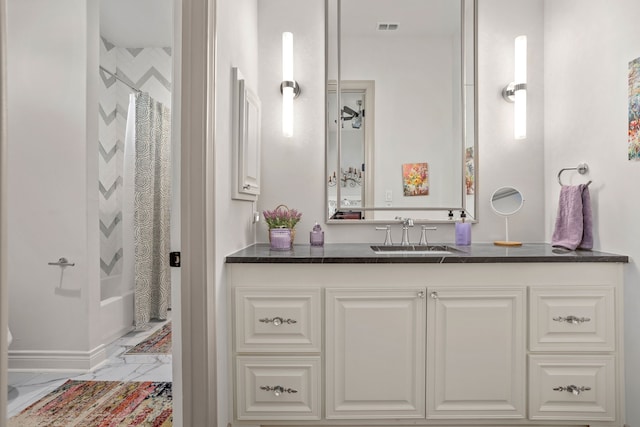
(413, 250)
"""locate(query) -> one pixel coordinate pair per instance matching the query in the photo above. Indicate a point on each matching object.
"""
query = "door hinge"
(174, 259)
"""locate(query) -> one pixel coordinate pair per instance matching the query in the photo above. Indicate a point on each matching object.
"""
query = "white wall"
(587, 49)
(237, 46)
(502, 159)
(293, 168)
(53, 175)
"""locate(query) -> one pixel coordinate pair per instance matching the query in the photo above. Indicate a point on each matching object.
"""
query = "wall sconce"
(516, 91)
(289, 87)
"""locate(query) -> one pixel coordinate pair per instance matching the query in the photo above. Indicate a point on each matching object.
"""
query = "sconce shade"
(520, 59)
(516, 91)
(520, 107)
(287, 112)
(288, 87)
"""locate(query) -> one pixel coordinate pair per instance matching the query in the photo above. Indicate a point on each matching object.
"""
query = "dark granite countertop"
(361, 253)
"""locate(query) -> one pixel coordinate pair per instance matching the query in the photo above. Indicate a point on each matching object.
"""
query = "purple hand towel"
(574, 223)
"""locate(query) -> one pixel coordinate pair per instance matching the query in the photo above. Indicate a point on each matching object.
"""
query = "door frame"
(4, 291)
(197, 26)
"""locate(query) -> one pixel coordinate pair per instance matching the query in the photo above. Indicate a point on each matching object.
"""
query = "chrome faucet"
(406, 223)
(387, 237)
(423, 235)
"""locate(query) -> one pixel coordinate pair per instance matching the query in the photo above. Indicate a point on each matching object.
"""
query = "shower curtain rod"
(119, 78)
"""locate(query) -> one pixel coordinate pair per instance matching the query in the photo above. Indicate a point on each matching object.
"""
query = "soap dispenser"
(316, 236)
(463, 230)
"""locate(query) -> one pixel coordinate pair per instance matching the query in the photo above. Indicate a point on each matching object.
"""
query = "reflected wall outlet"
(256, 217)
(388, 196)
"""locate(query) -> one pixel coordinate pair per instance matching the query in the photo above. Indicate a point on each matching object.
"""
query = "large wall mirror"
(400, 110)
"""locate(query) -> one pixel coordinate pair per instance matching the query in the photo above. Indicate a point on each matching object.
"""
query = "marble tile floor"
(28, 387)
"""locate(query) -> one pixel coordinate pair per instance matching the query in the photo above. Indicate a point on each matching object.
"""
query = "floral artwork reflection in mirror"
(634, 109)
(415, 179)
(469, 175)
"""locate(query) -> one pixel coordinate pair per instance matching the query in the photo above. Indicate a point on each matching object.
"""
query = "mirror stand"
(506, 242)
(506, 201)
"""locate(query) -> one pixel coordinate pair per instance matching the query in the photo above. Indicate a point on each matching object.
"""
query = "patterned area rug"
(101, 404)
(158, 343)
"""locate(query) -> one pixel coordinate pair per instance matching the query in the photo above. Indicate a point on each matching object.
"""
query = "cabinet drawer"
(277, 388)
(277, 320)
(572, 319)
(572, 388)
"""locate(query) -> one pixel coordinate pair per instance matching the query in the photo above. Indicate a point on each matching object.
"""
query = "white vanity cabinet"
(410, 344)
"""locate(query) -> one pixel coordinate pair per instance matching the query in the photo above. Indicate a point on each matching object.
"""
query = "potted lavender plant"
(281, 222)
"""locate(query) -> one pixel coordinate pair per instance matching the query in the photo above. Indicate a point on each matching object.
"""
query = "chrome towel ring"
(582, 168)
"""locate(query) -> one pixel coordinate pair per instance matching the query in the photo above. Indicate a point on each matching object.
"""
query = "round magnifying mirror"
(506, 201)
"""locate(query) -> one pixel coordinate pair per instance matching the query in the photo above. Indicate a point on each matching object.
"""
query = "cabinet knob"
(421, 294)
(575, 390)
(434, 295)
(277, 321)
(574, 320)
(278, 390)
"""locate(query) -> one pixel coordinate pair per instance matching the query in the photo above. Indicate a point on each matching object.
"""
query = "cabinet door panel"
(476, 353)
(375, 353)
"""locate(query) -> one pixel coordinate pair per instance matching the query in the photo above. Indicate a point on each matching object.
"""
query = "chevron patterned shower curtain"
(152, 200)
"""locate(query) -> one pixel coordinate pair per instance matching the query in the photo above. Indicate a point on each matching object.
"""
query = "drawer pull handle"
(278, 390)
(277, 321)
(572, 389)
(572, 319)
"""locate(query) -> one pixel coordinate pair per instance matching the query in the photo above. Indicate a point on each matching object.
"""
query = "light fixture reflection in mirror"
(350, 176)
(506, 201)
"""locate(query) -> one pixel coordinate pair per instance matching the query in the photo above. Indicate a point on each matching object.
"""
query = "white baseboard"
(46, 360)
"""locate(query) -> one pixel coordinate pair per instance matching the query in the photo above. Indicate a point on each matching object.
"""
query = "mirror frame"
(469, 17)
